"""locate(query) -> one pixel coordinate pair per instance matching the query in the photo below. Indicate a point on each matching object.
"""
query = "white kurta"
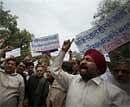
(94, 93)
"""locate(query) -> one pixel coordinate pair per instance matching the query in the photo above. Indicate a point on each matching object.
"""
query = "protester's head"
(121, 71)
(49, 76)
(67, 67)
(27, 59)
(10, 65)
(92, 65)
(30, 68)
(75, 65)
(21, 68)
(40, 70)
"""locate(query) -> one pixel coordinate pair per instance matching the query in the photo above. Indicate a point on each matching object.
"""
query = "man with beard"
(87, 89)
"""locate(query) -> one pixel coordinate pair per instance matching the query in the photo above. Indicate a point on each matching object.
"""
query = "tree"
(11, 34)
(8, 20)
(107, 6)
(24, 42)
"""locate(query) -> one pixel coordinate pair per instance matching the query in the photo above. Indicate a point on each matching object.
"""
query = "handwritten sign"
(15, 53)
(112, 29)
(44, 44)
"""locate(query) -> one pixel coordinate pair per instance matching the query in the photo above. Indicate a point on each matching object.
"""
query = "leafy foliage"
(107, 6)
(12, 35)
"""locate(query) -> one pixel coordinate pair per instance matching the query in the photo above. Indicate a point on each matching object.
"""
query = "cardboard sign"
(44, 44)
(15, 53)
(112, 29)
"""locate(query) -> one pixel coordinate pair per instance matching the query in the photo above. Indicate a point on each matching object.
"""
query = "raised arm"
(62, 77)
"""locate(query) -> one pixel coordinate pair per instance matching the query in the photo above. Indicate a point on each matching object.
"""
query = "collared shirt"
(11, 90)
(94, 93)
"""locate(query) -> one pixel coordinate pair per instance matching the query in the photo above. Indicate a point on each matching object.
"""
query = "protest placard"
(108, 32)
(15, 53)
(45, 44)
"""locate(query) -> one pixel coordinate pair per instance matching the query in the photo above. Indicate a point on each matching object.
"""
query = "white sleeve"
(62, 77)
(21, 92)
(119, 98)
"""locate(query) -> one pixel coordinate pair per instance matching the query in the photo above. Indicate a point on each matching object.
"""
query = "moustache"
(83, 66)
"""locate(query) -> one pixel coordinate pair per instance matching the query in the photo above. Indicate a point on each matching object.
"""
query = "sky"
(46, 17)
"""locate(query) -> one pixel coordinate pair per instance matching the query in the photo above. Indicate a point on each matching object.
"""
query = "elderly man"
(87, 89)
(11, 85)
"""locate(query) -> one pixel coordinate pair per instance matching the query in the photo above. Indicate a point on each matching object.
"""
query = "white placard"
(34, 54)
(44, 44)
(15, 53)
(114, 28)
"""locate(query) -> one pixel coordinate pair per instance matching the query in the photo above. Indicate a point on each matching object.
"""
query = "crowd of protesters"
(85, 82)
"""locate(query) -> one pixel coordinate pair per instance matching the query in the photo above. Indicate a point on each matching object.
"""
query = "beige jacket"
(11, 90)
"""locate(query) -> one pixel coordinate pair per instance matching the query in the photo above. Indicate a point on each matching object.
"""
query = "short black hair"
(29, 63)
(67, 66)
(39, 65)
(122, 61)
(11, 59)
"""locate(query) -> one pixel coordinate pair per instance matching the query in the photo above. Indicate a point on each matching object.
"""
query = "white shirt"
(94, 93)
(11, 90)
(107, 76)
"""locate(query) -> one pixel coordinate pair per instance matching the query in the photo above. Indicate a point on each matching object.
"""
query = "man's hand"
(66, 45)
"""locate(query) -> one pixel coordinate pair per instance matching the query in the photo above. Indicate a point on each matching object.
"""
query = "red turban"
(98, 59)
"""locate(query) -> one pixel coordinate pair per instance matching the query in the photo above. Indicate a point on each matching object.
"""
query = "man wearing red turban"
(87, 89)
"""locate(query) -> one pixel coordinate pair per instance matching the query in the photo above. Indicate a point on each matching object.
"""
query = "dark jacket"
(37, 91)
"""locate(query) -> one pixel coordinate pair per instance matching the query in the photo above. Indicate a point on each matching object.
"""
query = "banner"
(45, 44)
(34, 54)
(15, 53)
(106, 35)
